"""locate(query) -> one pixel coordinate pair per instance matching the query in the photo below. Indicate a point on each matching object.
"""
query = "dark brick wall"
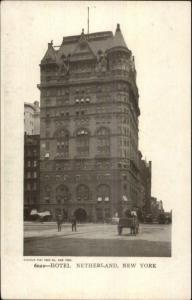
(90, 100)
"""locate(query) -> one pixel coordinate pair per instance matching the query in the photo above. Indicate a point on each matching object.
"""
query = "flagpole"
(88, 21)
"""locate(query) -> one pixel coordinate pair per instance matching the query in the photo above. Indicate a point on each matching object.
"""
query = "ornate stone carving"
(102, 64)
(64, 66)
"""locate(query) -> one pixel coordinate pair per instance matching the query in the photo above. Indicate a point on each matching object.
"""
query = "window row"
(31, 186)
(83, 165)
(82, 193)
(30, 200)
(63, 91)
(31, 175)
(32, 163)
(82, 100)
(33, 152)
(82, 142)
(102, 131)
(62, 114)
(95, 89)
(78, 178)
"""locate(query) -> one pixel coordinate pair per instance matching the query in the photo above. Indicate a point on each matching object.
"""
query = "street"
(153, 240)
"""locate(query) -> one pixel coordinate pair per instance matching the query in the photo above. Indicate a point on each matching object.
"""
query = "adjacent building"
(156, 207)
(144, 195)
(32, 118)
(31, 174)
(89, 111)
(31, 157)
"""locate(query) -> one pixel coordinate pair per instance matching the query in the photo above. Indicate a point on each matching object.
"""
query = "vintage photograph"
(95, 152)
(93, 185)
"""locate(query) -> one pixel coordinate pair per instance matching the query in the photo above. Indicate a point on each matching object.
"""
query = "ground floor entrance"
(81, 215)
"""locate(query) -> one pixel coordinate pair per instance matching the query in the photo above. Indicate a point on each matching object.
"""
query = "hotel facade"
(89, 158)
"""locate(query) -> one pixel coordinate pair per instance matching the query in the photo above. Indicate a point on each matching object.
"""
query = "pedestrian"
(59, 222)
(74, 223)
(128, 213)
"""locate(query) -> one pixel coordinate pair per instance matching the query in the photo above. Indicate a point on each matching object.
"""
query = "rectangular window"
(35, 174)
(28, 174)
(99, 199)
(47, 145)
(35, 163)
(28, 163)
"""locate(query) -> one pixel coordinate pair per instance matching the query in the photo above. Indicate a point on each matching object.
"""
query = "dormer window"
(77, 101)
(87, 100)
(82, 100)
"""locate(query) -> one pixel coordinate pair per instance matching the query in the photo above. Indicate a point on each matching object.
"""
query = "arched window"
(62, 137)
(82, 142)
(82, 192)
(103, 193)
(62, 194)
(103, 141)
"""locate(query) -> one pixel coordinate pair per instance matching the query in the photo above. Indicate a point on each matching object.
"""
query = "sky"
(157, 33)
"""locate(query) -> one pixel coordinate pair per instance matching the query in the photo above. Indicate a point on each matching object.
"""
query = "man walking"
(74, 223)
(59, 222)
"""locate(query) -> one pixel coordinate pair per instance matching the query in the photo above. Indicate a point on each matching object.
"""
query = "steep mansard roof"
(50, 54)
(99, 41)
(118, 40)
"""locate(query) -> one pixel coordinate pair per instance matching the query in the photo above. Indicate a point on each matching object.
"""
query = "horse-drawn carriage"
(128, 222)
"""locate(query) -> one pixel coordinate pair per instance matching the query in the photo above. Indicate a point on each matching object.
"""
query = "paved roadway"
(96, 240)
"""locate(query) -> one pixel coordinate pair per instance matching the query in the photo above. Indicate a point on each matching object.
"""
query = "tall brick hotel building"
(89, 159)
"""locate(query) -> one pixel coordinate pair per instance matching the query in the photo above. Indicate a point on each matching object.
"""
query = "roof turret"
(118, 40)
(50, 55)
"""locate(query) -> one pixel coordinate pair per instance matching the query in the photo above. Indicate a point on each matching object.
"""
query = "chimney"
(118, 27)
